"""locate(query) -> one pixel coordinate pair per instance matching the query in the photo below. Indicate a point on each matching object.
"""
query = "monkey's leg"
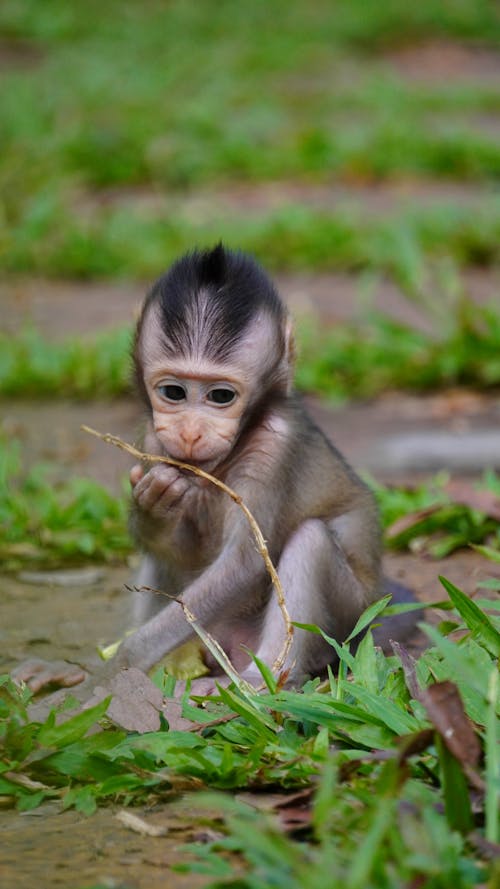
(146, 604)
(320, 588)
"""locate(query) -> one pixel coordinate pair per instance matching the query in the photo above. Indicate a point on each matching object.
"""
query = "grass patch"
(31, 367)
(438, 517)
(49, 238)
(400, 798)
(99, 98)
(48, 522)
(358, 360)
(362, 360)
(351, 23)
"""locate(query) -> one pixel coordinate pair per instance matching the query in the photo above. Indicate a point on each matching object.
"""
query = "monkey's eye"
(221, 395)
(172, 392)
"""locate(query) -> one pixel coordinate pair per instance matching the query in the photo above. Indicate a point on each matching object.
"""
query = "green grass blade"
(386, 711)
(72, 729)
(254, 715)
(455, 789)
(488, 551)
(382, 816)
(369, 616)
(492, 756)
(479, 624)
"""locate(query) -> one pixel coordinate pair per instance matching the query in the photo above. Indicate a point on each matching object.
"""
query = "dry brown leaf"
(409, 665)
(460, 493)
(410, 519)
(467, 495)
(294, 810)
(172, 710)
(136, 703)
(446, 712)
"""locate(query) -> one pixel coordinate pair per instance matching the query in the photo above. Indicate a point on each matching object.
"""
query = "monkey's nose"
(190, 437)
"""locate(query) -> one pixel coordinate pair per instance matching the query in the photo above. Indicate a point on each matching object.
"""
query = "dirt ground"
(47, 850)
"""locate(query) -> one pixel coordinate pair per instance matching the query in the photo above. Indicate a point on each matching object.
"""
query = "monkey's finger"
(160, 490)
(201, 687)
(157, 476)
(136, 473)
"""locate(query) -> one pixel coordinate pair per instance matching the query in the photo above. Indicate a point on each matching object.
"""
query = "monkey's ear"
(289, 354)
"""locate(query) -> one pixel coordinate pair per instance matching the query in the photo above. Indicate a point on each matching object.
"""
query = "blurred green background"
(353, 138)
(132, 130)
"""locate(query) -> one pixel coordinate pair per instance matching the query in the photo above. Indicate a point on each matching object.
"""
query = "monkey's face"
(197, 409)
(198, 403)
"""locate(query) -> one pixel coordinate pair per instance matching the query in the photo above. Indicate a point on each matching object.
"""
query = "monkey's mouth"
(205, 465)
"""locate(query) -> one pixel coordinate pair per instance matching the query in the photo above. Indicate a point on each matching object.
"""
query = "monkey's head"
(213, 344)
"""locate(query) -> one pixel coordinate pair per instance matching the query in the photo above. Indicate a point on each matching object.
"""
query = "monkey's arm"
(234, 582)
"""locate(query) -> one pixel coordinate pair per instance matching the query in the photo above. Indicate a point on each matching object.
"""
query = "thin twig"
(257, 533)
(213, 646)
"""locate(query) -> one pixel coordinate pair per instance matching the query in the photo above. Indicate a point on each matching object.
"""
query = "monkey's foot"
(39, 674)
(208, 685)
(200, 688)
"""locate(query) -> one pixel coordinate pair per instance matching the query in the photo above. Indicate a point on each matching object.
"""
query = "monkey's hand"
(159, 490)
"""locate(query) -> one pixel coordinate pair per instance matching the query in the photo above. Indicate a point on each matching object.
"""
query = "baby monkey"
(214, 365)
(213, 359)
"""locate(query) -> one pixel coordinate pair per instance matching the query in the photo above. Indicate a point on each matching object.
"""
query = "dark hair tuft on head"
(213, 266)
(208, 298)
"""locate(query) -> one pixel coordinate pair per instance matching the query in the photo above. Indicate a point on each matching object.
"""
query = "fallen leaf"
(172, 711)
(465, 494)
(25, 781)
(408, 521)
(185, 662)
(292, 809)
(409, 745)
(446, 712)
(136, 703)
(409, 665)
